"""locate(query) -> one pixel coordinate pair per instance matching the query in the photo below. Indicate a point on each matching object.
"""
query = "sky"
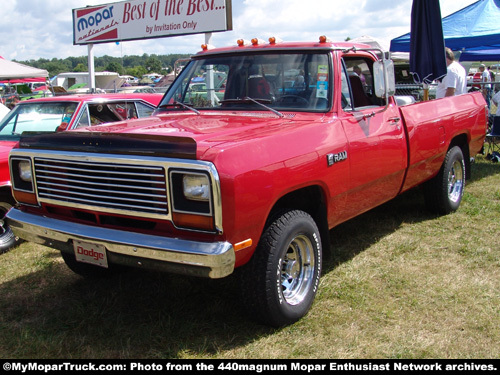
(34, 29)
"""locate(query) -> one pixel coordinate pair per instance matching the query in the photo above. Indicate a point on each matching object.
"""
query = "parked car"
(58, 114)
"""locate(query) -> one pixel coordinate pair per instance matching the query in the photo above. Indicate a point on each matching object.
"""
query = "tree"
(114, 67)
(153, 65)
(80, 68)
(136, 71)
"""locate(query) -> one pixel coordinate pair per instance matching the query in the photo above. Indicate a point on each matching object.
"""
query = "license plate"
(90, 253)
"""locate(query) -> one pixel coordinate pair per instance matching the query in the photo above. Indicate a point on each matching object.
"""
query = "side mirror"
(384, 78)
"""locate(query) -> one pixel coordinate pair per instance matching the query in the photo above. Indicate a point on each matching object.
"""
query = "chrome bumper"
(209, 259)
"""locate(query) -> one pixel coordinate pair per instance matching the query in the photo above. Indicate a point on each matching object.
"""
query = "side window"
(144, 110)
(360, 78)
(84, 119)
(102, 112)
(8, 127)
(346, 94)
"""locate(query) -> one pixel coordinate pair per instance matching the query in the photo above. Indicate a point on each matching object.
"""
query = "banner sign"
(146, 19)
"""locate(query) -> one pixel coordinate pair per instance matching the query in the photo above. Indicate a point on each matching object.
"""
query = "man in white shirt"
(455, 81)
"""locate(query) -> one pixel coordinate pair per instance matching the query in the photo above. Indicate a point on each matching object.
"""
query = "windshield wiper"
(180, 104)
(260, 102)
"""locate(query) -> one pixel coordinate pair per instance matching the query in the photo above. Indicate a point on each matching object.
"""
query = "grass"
(400, 283)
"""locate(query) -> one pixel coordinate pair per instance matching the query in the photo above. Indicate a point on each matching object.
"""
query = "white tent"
(12, 70)
(366, 39)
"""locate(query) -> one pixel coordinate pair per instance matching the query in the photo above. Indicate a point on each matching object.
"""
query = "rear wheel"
(280, 281)
(444, 192)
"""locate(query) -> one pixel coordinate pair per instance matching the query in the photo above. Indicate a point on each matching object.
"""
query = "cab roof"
(259, 45)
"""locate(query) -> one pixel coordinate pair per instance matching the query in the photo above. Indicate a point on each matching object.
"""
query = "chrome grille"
(137, 188)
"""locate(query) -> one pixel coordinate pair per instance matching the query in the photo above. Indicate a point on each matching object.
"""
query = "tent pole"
(90, 48)
(210, 84)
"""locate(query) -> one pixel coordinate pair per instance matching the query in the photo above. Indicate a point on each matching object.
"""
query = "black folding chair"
(493, 137)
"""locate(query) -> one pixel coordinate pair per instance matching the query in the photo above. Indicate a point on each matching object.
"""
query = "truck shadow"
(483, 168)
(356, 235)
(57, 314)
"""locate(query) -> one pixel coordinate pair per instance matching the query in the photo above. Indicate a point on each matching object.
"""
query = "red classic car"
(58, 114)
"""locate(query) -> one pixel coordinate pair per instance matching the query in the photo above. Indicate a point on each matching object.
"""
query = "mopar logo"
(95, 19)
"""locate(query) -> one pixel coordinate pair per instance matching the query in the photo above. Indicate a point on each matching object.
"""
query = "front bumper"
(207, 259)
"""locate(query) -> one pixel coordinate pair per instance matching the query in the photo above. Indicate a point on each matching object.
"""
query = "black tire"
(7, 238)
(444, 192)
(86, 270)
(280, 282)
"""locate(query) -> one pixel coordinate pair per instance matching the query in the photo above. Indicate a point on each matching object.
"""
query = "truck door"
(376, 139)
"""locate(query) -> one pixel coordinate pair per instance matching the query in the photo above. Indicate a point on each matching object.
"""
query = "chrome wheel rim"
(297, 270)
(456, 181)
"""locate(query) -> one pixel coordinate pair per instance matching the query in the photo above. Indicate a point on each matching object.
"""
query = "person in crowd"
(496, 100)
(486, 87)
(492, 74)
(455, 81)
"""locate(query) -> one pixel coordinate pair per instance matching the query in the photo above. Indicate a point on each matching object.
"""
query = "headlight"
(25, 171)
(22, 180)
(192, 196)
(196, 187)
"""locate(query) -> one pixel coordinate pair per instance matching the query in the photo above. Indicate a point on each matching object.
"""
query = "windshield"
(39, 117)
(283, 82)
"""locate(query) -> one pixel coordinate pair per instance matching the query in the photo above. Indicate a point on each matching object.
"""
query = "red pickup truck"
(248, 175)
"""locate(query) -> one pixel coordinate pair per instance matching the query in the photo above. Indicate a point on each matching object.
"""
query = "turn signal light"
(193, 221)
(25, 197)
(242, 245)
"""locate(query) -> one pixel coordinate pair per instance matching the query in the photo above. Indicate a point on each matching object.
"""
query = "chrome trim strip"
(218, 257)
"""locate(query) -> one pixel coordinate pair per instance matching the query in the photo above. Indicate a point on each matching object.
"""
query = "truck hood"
(208, 129)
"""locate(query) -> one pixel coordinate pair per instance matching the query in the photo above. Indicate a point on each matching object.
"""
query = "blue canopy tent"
(474, 30)
(483, 53)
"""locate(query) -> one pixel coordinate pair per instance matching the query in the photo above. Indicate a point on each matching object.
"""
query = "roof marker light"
(242, 42)
(274, 40)
(206, 47)
(324, 39)
(257, 41)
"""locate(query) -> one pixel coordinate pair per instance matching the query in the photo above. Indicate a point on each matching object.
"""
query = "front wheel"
(280, 281)
(444, 192)
(7, 237)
